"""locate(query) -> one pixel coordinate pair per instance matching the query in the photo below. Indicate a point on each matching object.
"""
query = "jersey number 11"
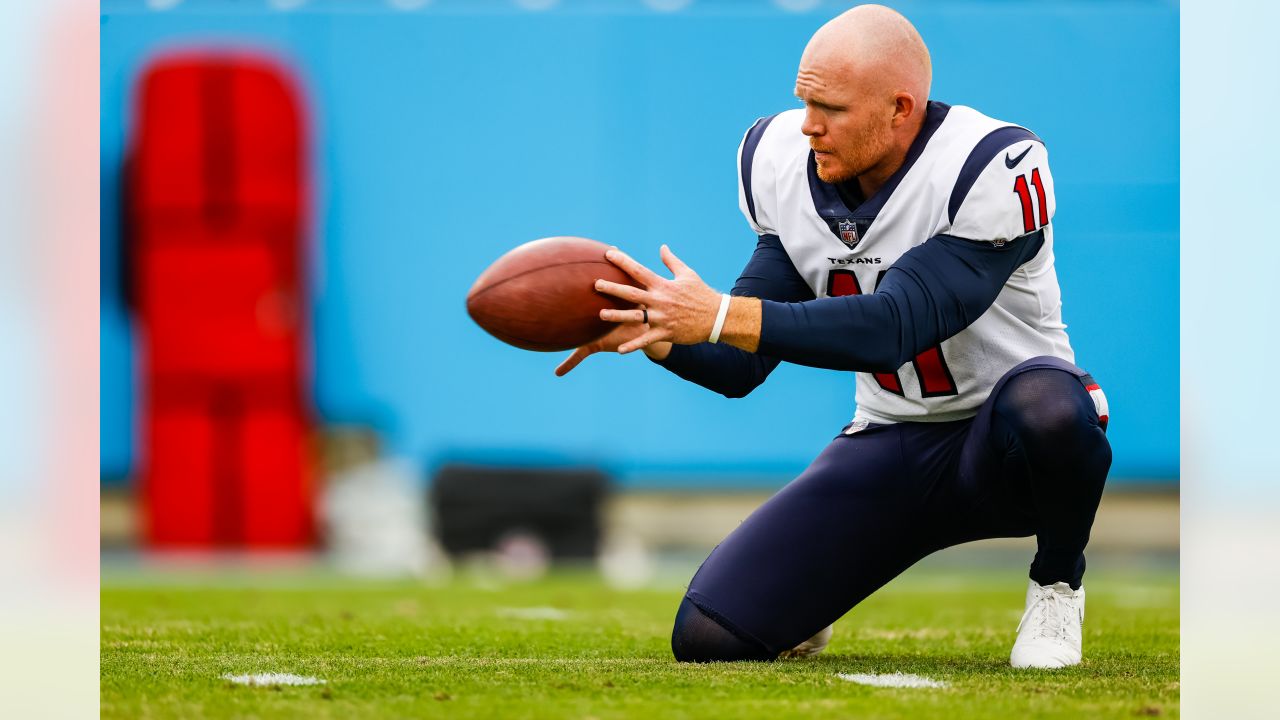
(1024, 194)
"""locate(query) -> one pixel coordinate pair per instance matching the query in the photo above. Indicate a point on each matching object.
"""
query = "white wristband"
(720, 316)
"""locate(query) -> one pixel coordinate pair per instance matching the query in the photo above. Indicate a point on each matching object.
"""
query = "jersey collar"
(850, 226)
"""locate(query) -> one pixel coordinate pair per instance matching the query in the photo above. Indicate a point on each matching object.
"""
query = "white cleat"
(812, 646)
(1051, 630)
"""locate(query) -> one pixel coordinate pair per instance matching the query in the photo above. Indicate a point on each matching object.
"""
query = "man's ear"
(903, 105)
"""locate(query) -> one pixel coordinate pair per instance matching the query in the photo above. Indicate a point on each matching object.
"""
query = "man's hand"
(610, 343)
(681, 310)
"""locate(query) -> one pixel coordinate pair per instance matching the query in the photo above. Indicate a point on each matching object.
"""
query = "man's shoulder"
(774, 138)
(966, 130)
(974, 119)
(772, 156)
(998, 171)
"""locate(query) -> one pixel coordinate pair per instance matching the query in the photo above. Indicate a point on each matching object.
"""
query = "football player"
(911, 242)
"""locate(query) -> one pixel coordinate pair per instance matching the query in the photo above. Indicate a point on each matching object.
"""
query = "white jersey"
(967, 176)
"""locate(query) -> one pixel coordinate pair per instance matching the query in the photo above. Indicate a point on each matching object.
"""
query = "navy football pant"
(1031, 462)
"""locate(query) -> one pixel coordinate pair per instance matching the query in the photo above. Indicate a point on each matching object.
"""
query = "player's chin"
(830, 170)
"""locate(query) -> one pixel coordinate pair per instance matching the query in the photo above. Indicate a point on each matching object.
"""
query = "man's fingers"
(675, 264)
(623, 316)
(626, 292)
(572, 361)
(644, 340)
(640, 273)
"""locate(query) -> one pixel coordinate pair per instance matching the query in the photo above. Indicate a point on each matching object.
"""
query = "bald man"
(911, 242)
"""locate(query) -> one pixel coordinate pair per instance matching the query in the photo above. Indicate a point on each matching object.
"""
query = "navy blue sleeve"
(932, 292)
(724, 368)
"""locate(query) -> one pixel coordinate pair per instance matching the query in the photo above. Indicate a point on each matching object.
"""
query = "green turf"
(406, 650)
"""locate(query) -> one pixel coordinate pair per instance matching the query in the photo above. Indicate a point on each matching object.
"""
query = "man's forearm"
(934, 291)
(742, 324)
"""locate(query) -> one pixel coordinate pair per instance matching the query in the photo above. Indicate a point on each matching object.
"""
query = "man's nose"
(811, 126)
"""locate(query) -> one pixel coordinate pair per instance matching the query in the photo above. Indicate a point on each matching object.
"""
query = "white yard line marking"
(273, 679)
(533, 613)
(901, 680)
(446, 660)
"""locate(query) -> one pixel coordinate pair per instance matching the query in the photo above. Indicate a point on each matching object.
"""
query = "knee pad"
(697, 637)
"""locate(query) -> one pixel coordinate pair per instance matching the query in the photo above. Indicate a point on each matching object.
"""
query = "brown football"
(542, 295)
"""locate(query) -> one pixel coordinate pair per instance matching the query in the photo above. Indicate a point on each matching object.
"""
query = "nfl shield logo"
(848, 233)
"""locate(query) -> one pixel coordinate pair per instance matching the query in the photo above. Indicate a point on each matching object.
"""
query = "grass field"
(568, 646)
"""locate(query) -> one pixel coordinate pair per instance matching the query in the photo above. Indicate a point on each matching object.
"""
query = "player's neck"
(875, 177)
(871, 181)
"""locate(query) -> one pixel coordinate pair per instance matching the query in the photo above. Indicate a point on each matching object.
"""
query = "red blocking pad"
(223, 473)
(220, 311)
(216, 189)
(276, 483)
(218, 133)
(178, 485)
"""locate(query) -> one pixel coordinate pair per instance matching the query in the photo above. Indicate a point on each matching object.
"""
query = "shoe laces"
(1050, 613)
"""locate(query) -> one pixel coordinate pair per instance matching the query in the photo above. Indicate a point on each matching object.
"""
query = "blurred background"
(296, 196)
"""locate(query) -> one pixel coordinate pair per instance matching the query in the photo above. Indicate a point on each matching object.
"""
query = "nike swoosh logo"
(1011, 163)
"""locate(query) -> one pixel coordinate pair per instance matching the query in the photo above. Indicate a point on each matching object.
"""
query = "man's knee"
(1048, 408)
(697, 637)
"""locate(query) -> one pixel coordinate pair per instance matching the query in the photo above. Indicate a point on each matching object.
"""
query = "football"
(541, 295)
